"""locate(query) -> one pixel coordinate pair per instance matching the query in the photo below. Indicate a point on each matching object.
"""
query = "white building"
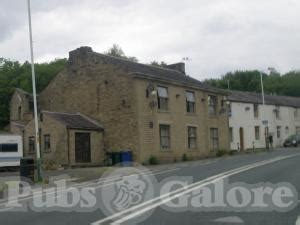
(281, 116)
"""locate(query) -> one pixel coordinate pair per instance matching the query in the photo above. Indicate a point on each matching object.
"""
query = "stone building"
(151, 111)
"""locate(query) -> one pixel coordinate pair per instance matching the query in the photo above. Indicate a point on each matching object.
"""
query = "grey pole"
(37, 136)
(263, 102)
(262, 88)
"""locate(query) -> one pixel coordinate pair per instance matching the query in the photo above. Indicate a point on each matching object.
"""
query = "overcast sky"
(217, 35)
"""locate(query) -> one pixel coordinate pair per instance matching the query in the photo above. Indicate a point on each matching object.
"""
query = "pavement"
(272, 168)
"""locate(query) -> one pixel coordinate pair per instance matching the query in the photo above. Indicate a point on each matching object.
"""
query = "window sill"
(163, 111)
(191, 114)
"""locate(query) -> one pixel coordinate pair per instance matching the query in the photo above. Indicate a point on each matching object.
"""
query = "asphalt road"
(278, 166)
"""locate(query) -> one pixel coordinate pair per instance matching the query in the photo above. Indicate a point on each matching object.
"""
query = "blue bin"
(126, 158)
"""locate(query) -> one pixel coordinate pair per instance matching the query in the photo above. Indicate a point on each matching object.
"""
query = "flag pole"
(37, 135)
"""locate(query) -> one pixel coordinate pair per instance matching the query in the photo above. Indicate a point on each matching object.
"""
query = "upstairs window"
(19, 113)
(192, 137)
(47, 145)
(165, 140)
(162, 98)
(277, 112)
(255, 110)
(190, 101)
(212, 104)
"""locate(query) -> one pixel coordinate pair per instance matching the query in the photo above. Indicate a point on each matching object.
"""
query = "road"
(273, 167)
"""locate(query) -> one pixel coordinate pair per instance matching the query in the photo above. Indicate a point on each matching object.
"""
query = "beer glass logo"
(125, 188)
(130, 191)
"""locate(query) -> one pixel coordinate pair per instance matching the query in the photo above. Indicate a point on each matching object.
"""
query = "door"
(82, 148)
(242, 139)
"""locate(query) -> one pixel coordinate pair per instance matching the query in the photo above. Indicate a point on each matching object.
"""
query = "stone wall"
(101, 91)
(179, 120)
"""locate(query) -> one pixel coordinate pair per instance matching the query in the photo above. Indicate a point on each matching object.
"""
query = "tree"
(15, 75)
(161, 64)
(287, 84)
(117, 51)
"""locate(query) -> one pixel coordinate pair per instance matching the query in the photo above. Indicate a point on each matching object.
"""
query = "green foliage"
(16, 75)
(117, 51)
(161, 64)
(184, 158)
(274, 83)
(153, 160)
(221, 153)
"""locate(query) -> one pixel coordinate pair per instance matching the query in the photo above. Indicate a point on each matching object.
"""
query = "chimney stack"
(180, 67)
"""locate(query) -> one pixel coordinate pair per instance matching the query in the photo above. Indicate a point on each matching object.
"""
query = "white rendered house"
(251, 122)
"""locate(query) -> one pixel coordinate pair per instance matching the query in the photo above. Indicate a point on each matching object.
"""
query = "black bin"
(27, 168)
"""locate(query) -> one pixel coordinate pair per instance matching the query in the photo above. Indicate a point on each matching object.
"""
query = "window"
(162, 98)
(164, 133)
(287, 130)
(192, 137)
(212, 104)
(31, 145)
(8, 147)
(214, 139)
(231, 134)
(229, 109)
(278, 131)
(255, 110)
(297, 130)
(277, 112)
(19, 113)
(257, 133)
(47, 145)
(190, 101)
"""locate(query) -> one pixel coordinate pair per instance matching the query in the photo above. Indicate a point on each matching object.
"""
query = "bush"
(153, 160)
(221, 153)
(184, 158)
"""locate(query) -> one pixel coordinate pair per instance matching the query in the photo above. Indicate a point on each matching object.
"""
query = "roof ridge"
(144, 64)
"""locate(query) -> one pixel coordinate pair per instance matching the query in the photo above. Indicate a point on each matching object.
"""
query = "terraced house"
(252, 122)
(151, 111)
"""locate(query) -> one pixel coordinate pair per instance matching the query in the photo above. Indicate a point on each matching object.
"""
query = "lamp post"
(37, 135)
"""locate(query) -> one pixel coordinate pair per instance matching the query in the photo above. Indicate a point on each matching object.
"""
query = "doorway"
(82, 148)
(242, 147)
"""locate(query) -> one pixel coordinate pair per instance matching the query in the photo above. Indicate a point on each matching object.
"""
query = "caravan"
(11, 150)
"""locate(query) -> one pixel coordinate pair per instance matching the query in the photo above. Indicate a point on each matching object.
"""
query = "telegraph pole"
(36, 124)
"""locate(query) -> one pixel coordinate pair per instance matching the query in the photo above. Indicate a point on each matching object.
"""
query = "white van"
(11, 150)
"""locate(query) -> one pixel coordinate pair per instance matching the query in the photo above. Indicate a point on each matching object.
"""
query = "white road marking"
(82, 185)
(230, 220)
(136, 211)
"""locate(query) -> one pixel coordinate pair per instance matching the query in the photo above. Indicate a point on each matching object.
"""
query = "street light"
(38, 152)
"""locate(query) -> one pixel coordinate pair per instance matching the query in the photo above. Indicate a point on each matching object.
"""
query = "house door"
(82, 148)
(242, 139)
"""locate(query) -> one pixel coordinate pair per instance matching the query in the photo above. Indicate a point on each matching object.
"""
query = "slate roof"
(251, 97)
(74, 120)
(148, 71)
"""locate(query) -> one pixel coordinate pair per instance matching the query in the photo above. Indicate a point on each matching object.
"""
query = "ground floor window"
(192, 137)
(278, 131)
(214, 139)
(257, 133)
(231, 134)
(164, 133)
(31, 144)
(297, 130)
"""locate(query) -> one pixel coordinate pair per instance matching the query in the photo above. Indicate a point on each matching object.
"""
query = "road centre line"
(155, 202)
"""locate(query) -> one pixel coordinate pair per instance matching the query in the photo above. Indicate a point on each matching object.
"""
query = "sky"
(217, 36)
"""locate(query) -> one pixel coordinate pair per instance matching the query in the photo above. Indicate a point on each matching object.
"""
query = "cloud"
(217, 35)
